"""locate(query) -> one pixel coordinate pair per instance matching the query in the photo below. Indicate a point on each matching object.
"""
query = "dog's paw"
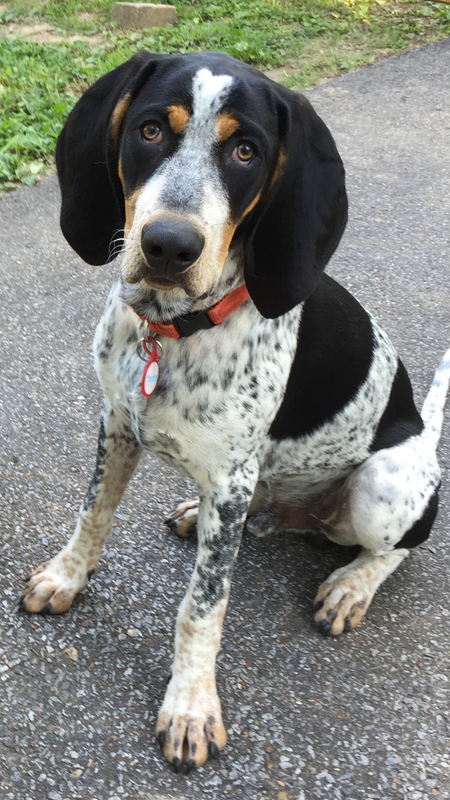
(54, 585)
(183, 520)
(263, 522)
(189, 726)
(342, 601)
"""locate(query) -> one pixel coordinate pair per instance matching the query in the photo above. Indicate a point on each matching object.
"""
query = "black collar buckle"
(190, 323)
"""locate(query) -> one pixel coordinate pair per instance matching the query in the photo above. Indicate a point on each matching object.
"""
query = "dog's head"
(188, 154)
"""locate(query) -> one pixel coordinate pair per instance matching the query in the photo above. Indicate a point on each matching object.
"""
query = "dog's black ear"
(296, 227)
(93, 207)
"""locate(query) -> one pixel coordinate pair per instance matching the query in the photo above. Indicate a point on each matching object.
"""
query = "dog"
(225, 350)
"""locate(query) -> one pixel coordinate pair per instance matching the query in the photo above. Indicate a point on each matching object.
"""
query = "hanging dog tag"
(151, 370)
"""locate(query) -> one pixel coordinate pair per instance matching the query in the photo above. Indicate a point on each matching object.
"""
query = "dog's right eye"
(151, 132)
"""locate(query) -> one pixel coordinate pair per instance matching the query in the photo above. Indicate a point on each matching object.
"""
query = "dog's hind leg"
(55, 583)
(390, 503)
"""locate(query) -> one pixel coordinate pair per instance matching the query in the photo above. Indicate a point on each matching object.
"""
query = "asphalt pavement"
(365, 715)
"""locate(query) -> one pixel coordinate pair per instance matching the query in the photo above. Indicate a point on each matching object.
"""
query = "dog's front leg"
(189, 725)
(55, 583)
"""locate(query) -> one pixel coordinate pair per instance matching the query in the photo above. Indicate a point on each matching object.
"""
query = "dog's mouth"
(161, 283)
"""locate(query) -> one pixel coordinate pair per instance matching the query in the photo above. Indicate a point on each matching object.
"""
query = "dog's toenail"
(213, 750)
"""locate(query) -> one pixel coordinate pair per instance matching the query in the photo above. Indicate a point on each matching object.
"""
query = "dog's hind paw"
(263, 522)
(343, 599)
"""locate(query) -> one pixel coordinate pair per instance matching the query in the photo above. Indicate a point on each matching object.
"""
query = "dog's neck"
(159, 306)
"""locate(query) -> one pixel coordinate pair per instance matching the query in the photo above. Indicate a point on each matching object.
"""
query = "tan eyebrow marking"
(226, 125)
(118, 115)
(178, 118)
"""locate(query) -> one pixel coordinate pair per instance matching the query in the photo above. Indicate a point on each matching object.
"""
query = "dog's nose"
(171, 247)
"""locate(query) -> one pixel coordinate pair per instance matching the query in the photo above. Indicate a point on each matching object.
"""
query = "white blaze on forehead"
(209, 92)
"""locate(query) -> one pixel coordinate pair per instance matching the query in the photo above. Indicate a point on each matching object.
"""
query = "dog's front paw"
(54, 585)
(183, 520)
(189, 725)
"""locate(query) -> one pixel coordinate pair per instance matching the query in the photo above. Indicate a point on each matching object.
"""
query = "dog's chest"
(217, 391)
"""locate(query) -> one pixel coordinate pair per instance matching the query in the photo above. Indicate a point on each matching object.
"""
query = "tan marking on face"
(251, 205)
(228, 233)
(118, 115)
(130, 202)
(130, 206)
(178, 118)
(230, 229)
(278, 171)
(226, 125)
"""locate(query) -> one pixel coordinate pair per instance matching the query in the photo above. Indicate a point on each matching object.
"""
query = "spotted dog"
(275, 390)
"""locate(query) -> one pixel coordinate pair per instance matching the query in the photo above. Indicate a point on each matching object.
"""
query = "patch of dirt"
(43, 33)
(280, 73)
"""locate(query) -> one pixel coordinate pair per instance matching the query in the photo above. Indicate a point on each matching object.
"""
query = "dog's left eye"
(151, 132)
(244, 153)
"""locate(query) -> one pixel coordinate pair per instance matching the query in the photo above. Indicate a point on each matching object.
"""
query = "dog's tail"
(433, 408)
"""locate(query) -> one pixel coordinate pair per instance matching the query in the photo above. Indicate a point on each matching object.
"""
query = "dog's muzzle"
(171, 246)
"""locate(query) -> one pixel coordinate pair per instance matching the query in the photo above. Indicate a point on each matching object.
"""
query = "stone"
(143, 15)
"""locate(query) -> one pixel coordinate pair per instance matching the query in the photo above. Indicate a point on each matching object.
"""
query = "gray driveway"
(309, 718)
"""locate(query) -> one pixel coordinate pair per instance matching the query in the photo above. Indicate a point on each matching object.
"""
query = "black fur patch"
(332, 360)
(401, 418)
(420, 531)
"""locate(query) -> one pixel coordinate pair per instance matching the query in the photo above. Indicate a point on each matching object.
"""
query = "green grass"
(312, 38)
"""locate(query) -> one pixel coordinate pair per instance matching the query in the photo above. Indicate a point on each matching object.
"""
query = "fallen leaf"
(72, 653)
(76, 773)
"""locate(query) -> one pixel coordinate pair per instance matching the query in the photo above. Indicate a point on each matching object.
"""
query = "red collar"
(190, 323)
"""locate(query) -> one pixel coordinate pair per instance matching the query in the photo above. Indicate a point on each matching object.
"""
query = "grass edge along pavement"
(299, 42)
